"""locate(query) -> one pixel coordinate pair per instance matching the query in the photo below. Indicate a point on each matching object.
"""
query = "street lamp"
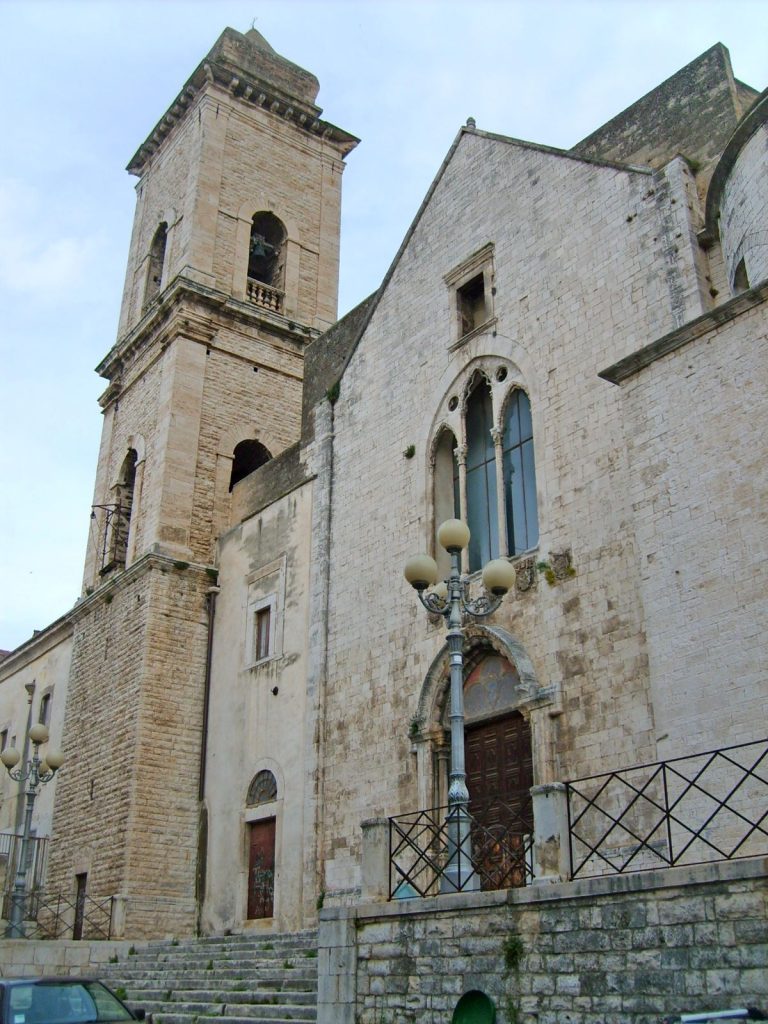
(35, 773)
(450, 599)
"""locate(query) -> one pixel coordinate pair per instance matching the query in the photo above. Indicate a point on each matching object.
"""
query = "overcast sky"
(82, 84)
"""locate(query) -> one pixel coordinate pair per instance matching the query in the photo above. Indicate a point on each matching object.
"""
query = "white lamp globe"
(10, 757)
(38, 733)
(55, 759)
(453, 535)
(498, 576)
(421, 571)
(440, 590)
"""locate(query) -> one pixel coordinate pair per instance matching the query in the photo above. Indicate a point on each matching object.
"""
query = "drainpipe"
(211, 605)
(202, 825)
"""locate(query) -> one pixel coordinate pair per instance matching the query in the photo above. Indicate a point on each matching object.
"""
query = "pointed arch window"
(520, 476)
(156, 264)
(482, 504)
(489, 481)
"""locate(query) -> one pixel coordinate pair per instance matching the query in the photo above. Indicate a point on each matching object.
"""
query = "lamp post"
(36, 772)
(451, 600)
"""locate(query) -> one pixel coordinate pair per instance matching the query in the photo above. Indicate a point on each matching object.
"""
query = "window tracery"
(484, 467)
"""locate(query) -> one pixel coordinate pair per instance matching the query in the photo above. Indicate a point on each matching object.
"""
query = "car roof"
(49, 979)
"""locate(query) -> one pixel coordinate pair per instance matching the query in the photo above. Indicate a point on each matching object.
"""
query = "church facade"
(568, 353)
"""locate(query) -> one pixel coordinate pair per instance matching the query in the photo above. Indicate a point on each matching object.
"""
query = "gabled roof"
(371, 303)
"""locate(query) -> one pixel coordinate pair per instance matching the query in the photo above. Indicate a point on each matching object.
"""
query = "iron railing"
(422, 846)
(688, 810)
(56, 916)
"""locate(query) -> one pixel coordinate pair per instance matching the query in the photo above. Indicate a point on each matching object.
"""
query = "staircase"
(240, 979)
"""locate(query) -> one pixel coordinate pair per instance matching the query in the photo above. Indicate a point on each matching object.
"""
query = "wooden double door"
(499, 766)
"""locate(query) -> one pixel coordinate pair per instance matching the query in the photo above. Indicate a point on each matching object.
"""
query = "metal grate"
(422, 847)
(688, 810)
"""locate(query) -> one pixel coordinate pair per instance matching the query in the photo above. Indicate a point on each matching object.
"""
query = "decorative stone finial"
(471, 123)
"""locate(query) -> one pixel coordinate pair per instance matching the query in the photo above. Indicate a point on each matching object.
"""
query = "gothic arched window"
(156, 264)
(488, 479)
(520, 476)
(482, 516)
(247, 457)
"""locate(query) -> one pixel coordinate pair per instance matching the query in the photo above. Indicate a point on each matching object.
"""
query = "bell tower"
(232, 270)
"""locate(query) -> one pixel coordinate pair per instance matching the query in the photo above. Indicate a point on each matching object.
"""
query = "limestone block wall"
(743, 209)
(126, 811)
(251, 389)
(696, 424)
(693, 112)
(632, 949)
(258, 713)
(166, 192)
(270, 165)
(583, 271)
(226, 160)
(184, 408)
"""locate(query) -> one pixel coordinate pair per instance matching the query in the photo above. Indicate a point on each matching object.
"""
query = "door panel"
(499, 778)
(261, 868)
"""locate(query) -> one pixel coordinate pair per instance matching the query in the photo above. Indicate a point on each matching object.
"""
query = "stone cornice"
(146, 563)
(39, 643)
(632, 364)
(249, 89)
(180, 310)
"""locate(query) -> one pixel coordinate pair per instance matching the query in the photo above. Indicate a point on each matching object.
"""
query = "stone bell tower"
(232, 270)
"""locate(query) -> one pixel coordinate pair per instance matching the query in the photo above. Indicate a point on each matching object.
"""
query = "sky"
(82, 84)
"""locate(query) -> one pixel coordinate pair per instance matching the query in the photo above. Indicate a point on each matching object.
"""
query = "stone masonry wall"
(693, 113)
(626, 950)
(572, 292)
(696, 428)
(742, 210)
(126, 810)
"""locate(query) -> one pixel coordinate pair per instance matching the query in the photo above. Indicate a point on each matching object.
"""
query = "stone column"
(375, 860)
(551, 852)
(336, 966)
(460, 452)
(501, 508)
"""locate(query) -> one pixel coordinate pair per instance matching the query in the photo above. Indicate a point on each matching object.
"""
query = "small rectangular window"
(3, 739)
(470, 298)
(45, 709)
(262, 633)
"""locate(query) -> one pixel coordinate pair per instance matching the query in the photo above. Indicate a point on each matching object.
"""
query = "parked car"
(61, 1001)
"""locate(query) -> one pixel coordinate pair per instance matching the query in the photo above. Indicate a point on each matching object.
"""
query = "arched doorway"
(499, 765)
(261, 848)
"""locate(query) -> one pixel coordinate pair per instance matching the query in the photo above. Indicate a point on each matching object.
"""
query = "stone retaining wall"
(602, 951)
(24, 958)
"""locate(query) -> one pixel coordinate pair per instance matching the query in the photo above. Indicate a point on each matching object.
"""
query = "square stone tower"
(232, 270)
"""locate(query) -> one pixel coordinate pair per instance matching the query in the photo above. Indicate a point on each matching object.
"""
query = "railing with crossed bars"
(687, 810)
(421, 849)
(56, 916)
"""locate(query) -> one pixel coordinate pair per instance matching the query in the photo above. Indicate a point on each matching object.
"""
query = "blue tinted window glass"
(520, 476)
(482, 516)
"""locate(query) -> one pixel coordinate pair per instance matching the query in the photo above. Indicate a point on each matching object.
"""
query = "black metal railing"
(425, 859)
(688, 810)
(56, 916)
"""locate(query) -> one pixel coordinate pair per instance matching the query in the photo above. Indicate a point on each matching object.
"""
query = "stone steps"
(236, 979)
